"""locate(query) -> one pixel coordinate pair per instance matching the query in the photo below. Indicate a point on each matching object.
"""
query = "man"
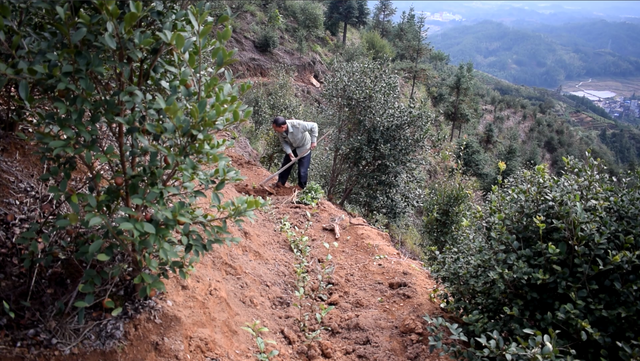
(297, 137)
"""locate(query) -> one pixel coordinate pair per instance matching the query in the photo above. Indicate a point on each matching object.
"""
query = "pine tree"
(382, 17)
(348, 12)
(459, 105)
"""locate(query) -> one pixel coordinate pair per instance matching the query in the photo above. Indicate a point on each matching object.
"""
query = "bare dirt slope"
(379, 296)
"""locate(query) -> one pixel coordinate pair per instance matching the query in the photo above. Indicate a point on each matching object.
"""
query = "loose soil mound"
(379, 296)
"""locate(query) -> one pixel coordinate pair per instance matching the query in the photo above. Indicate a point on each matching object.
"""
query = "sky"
(540, 10)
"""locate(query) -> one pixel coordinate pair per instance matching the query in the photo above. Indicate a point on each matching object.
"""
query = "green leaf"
(95, 246)
(215, 198)
(86, 288)
(73, 218)
(116, 312)
(225, 34)
(102, 257)
(126, 226)
(179, 41)
(58, 143)
(110, 41)
(95, 220)
(78, 35)
(81, 304)
(223, 19)
(23, 90)
(205, 31)
(130, 19)
(192, 17)
(92, 200)
(149, 228)
(60, 12)
(220, 60)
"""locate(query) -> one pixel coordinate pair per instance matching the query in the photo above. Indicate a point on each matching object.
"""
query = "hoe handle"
(292, 162)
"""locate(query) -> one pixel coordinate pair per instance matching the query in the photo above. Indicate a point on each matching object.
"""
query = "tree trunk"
(413, 85)
(344, 34)
(453, 128)
(335, 174)
(345, 195)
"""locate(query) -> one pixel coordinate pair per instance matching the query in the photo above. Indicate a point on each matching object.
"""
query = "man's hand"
(313, 145)
(292, 156)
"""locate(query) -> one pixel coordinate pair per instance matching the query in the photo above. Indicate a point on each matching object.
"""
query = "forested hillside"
(523, 204)
(545, 55)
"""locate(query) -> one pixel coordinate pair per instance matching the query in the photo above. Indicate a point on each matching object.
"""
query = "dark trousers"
(303, 169)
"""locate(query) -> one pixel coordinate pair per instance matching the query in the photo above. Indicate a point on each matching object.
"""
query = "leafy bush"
(443, 208)
(307, 15)
(547, 253)
(377, 47)
(374, 158)
(268, 40)
(269, 99)
(127, 104)
(476, 162)
(311, 194)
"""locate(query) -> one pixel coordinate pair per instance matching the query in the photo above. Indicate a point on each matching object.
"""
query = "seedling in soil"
(256, 331)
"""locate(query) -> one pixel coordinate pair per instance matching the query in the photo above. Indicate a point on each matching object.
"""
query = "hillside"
(444, 204)
(379, 294)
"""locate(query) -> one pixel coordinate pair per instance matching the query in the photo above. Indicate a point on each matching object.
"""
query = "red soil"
(379, 295)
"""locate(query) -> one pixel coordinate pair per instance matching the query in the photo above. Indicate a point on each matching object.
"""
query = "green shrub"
(269, 99)
(311, 194)
(444, 206)
(268, 40)
(476, 162)
(551, 253)
(126, 116)
(274, 19)
(308, 16)
(373, 166)
(377, 47)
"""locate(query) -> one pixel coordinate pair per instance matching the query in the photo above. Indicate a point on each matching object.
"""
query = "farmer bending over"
(297, 137)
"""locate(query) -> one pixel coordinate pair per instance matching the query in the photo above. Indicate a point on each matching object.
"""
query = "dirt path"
(379, 296)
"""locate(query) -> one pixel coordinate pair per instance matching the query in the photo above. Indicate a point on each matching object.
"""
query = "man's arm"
(285, 145)
(312, 129)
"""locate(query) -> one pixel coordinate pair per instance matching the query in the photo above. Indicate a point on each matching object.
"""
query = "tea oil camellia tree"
(127, 98)
(556, 258)
(377, 141)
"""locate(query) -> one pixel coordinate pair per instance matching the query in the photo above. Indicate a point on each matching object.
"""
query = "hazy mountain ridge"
(545, 58)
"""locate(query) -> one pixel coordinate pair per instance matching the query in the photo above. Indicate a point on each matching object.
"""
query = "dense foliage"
(126, 100)
(549, 253)
(377, 139)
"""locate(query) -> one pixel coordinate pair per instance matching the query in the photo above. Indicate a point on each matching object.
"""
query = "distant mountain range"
(550, 12)
(545, 55)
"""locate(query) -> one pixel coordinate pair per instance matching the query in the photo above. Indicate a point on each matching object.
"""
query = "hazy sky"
(475, 10)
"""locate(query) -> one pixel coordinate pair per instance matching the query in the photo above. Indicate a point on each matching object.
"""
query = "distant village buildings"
(633, 105)
(615, 106)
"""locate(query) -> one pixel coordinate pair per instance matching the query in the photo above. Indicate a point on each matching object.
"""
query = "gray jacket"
(300, 136)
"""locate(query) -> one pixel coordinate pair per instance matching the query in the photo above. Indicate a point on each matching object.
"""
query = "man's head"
(279, 124)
